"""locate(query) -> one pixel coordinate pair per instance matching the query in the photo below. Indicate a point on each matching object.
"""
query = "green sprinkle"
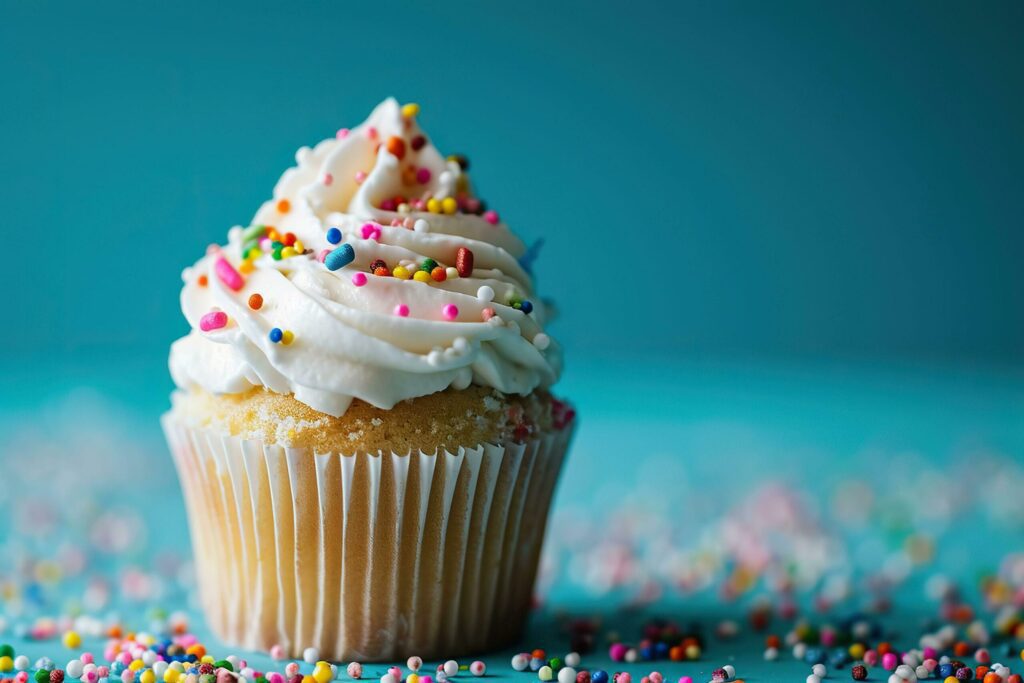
(253, 232)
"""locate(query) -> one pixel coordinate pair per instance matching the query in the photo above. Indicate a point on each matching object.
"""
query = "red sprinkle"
(464, 262)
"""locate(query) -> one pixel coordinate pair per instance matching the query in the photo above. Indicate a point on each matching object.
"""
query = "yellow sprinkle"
(410, 110)
(308, 679)
(246, 267)
(322, 673)
(421, 276)
(207, 659)
(287, 337)
(400, 272)
(6, 663)
(449, 205)
(299, 246)
(288, 252)
(412, 678)
(135, 665)
(856, 650)
(171, 675)
(147, 676)
(433, 205)
(72, 640)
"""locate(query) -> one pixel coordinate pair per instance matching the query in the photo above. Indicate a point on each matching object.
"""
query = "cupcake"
(362, 423)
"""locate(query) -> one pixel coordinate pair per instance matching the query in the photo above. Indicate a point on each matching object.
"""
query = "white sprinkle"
(567, 674)
(421, 225)
(311, 655)
(819, 670)
(572, 659)
(541, 341)
(485, 294)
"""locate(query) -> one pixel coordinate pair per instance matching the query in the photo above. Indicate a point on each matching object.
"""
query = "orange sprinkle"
(202, 280)
(256, 302)
(439, 274)
(284, 206)
(538, 654)
(396, 146)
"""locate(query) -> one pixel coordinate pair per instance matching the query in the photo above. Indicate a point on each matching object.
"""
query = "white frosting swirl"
(348, 340)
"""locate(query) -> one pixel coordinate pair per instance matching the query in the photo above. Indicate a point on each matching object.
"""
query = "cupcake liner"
(365, 556)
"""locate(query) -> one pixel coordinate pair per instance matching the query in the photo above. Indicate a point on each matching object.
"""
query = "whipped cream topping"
(380, 332)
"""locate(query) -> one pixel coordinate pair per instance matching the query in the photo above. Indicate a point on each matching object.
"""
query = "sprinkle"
(371, 133)
(464, 262)
(491, 217)
(451, 272)
(433, 205)
(334, 236)
(355, 670)
(414, 664)
(370, 231)
(439, 274)
(340, 257)
(342, 133)
(542, 341)
(400, 272)
(487, 314)
(418, 142)
(460, 159)
(287, 337)
(421, 276)
(256, 302)
(402, 311)
(227, 274)
(423, 176)
(450, 311)
(214, 320)
(202, 280)
(360, 176)
(284, 206)
(449, 205)
(276, 335)
(410, 110)
(478, 668)
(396, 147)
(289, 252)
(327, 179)
(526, 307)
(359, 279)
(486, 293)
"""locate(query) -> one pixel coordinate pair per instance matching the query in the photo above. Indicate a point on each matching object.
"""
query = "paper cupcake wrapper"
(365, 557)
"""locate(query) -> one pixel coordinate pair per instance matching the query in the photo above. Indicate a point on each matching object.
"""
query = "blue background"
(785, 240)
(727, 179)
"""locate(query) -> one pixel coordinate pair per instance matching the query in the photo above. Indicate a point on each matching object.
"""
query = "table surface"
(693, 492)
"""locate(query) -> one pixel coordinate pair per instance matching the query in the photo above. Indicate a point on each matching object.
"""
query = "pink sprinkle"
(450, 311)
(109, 654)
(371, 231)
(487, 314)
(889, 661)
(685, 679)
(125, 658)
(491, 217)
(396, 672)
(401, 310)
(371, 133)
(275, 677)
(360, 176)
(654, 677)
(22, 677)
(87, 658)
(342, 133)
(214, 320)
(127, 676)
(617, 652)
(328, 178)
(471, 205)
(624, 677)
(291, 668)
(227, 274)
(276, 651)
(359, 279)
(423, 176)
(103, 671)
(355, 670)
(90, 677)
(322, 255)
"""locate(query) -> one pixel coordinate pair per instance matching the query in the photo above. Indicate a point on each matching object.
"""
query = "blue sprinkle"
(334, 235)
(526, 307)
(527, 259)
(599, 676)
(276, 334)
(340, 257)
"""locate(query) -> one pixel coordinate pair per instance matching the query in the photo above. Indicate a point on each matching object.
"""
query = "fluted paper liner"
(365, 556)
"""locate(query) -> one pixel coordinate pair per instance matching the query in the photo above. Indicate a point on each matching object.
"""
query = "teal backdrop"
(839, 180)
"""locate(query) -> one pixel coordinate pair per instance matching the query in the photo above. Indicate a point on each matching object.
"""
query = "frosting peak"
(374, 273)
